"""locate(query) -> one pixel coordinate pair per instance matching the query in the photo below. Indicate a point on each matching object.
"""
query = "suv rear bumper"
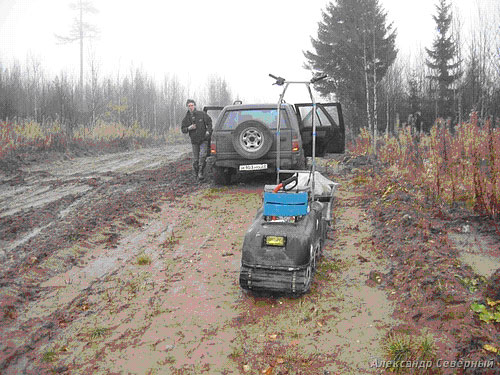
(285, 163)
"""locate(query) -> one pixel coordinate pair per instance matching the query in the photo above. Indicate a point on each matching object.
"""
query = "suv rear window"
(268, 116)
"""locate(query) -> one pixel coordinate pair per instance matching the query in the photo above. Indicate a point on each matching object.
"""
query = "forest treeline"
(457, 75)
(355, 46)
(27, 93)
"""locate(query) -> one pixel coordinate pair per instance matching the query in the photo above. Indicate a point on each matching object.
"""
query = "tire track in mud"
(45, 204)
(52, 251)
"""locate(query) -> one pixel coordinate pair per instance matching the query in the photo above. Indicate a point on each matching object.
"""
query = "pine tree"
(441, 58)
(354, 47)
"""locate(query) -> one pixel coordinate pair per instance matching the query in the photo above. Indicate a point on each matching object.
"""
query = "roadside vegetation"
(459, 168)
(422, 189)
(30, 136)
(29, 140)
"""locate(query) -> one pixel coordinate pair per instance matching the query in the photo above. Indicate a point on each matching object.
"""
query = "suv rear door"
(330, 130)
(213, 111)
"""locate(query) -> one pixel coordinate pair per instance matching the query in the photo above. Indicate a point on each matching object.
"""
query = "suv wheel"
(252, 139)
(222, 176)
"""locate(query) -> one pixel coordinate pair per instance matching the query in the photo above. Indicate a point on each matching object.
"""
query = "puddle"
(40, 197)
(478, 251)
(483, 265)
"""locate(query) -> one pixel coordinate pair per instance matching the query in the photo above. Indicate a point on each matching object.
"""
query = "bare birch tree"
(80, 30)
(94, 88)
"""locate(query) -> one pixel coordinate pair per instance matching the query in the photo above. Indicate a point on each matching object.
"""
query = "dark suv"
(244, 137)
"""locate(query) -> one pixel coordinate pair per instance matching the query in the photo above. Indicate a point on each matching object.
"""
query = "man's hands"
(192, 127)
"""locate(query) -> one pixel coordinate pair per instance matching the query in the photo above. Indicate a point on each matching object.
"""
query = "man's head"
(191, 104)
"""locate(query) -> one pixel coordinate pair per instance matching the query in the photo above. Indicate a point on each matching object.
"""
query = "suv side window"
(320, 119)
(268, 116)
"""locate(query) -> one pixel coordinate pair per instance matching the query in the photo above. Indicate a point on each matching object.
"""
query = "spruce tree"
(354, 47)
(441, 60)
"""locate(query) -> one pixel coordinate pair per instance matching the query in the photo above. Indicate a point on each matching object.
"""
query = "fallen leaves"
(491, 348)
(492, 303)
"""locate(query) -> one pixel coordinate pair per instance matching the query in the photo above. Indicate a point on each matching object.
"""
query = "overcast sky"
(241, 41)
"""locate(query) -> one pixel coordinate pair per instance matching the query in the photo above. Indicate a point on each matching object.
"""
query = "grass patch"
(471, 283)
(143, 260)
(131, 284)
(214, 192)
(399, 348)
(49, 356)
(327, 268)
(236, 353)
(360, 180)
(98, 333)
(403, 346)
(426, 348)
(169, 359)
(171, 241)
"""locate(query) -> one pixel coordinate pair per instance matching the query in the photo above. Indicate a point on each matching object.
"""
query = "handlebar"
(280, 81)
(318, 78)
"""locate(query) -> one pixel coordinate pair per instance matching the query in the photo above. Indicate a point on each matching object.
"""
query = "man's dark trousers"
(199, 156)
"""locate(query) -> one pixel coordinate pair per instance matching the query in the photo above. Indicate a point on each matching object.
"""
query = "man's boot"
(196, 168)
(200, 175)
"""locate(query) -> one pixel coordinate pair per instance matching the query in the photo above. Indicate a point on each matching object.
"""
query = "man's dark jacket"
(203, 125)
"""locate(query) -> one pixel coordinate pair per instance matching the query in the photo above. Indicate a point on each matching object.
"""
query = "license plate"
(275, 241)
(253, 167)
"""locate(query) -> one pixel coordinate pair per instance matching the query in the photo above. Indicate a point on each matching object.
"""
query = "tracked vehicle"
(284, 243)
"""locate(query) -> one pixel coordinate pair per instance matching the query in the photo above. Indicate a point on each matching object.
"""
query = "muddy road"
(126, 264)
(35, 197)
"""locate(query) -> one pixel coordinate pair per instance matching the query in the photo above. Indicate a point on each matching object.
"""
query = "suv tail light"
(295, 145)
(212, 148)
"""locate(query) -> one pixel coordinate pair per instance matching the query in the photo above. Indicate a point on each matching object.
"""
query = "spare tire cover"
(252, 139)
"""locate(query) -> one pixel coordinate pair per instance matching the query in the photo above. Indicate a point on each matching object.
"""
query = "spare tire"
(252, 139)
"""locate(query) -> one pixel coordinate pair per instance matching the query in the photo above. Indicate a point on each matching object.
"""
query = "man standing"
(199, 126)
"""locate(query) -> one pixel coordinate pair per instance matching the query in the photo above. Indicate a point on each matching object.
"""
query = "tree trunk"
(375, 114)
(387, 117)
(367, 88)
(81, 56)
